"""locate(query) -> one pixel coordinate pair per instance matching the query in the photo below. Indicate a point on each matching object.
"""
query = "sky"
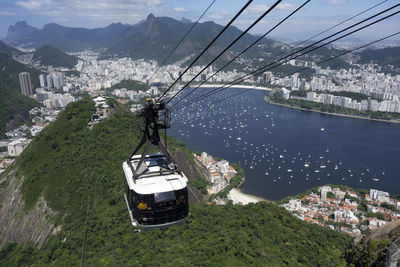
(314, 17)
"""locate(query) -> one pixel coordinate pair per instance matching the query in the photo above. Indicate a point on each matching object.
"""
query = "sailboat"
(323, 166)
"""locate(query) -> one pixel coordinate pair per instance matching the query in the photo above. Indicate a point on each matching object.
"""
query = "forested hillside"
(79, 173)
(14, 106)
(51, 56)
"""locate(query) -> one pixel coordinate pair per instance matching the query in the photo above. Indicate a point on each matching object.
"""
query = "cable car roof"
(156, 178)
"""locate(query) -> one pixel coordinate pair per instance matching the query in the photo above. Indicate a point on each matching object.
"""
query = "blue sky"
(316, 16)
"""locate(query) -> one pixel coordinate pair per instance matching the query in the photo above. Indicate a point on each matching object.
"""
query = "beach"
(238, 196)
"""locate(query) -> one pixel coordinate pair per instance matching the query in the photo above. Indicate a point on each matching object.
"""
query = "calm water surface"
(274, 145)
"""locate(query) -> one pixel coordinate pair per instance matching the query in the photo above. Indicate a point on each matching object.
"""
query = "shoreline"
(328, 113)
(237, 86)
(238, 197)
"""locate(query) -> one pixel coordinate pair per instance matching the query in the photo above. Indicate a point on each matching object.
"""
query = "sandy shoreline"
(328, 113)
(238, 196)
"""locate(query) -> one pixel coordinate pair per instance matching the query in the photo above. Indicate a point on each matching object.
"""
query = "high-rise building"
(49, 79)
(42, 81)
(25, 82)
(56, 81)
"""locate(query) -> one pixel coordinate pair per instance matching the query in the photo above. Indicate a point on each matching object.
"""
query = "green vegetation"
(382, 57)
(77, 169)
(14, 106)
(353, 95)
(10, 69)
(130, 85)
(370, 252)
(325, 53)
(388, 206)
(375, 215)
(51, 56)
(14, 109)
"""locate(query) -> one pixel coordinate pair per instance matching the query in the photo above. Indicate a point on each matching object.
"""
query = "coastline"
(238, 197)
(237, 86)
(328, 113)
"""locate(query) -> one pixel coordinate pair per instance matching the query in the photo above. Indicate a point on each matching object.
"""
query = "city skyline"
(316, 16)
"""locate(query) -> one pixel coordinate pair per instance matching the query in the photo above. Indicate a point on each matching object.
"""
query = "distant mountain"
(48, 55)
(153, 38)
(19, 31)
(186, 21)
(69, 39)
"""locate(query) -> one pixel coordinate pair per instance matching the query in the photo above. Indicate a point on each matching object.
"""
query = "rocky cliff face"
(19, 31)
(393, 254)
(17, 224)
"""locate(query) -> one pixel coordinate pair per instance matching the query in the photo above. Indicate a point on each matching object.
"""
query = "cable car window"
(144, 202)
(165, 196)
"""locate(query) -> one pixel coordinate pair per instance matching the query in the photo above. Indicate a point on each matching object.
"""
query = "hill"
(50, 56)
(383, 57)
(72, 186)
(14, 106)
(9, 51)
(131, 85)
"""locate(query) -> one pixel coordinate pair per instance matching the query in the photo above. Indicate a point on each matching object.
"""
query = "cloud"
(286, 6)
(217, 15)
(91, 13)
(6, 13)
(334, 2)
(179, 9)
(33, 4)
(258, 8)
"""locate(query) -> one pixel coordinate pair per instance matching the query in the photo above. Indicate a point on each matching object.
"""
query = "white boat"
(322, 129)
(281, 156)
(316, 171)
(289, 170)
(322, 166)
(306, 164)
(336, 167)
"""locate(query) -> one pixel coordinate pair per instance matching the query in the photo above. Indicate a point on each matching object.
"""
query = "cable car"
(156, 189)
(158, 196)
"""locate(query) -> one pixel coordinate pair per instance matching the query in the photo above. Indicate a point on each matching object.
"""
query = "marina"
(287, 151)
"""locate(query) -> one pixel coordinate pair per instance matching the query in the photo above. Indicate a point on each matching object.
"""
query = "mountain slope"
(14, 106)
(150, 39)
(69, 39)
(19, 31)
(384, 56)
(78, 171)
(48, 55)
(156, 37)
(9, 51)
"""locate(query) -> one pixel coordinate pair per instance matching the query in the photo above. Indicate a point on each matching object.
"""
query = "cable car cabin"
(158, 196)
